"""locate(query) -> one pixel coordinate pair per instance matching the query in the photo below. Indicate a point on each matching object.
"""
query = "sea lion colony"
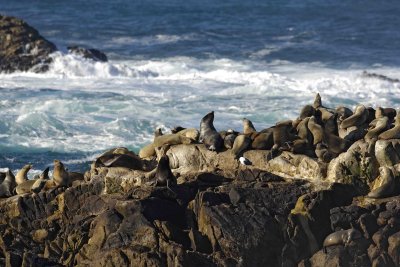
(319, 132)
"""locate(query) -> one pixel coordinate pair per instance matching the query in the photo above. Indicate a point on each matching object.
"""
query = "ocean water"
(171, 62)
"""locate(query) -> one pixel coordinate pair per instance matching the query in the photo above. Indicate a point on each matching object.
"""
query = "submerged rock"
(89, 53)
(22, 48)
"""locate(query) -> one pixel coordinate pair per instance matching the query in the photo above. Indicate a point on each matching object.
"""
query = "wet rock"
(22, 48)
(89, 53)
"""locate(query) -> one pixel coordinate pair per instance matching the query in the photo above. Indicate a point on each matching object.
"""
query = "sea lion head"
(317, 101)
(379, 113)
(45, 174)
(248, 126)
(158, 132)
(209, 118)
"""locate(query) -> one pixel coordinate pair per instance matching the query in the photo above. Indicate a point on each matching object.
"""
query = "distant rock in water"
(91, 53)
(22, 48)
(379, 76)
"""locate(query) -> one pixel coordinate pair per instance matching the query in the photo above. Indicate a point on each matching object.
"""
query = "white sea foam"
(81, 105)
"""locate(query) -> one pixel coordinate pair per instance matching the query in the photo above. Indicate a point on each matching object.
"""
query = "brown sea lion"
(263, 140)
(209, 135)
(242, 142)
(388, 184)
(343, 237)
(60, 175)
(171, 139)
(8, 185)
(317, 101)
(177, 129)
(316, 130)
(248, 126)
(307, 111)
(393, 133)
(359, 117)
(21, 176)
(41, 182)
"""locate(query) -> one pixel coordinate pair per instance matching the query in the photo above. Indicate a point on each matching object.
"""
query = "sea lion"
(342, 237)
(163, 173)
(248, 126)
(263, 140)
(2, 176)
(242, 142)
(21, 176)
(60, 175)
(147, 151)
(378, 125)
(387, 184)
(317, 101)
(8, 185)
(229, 138)
(322, 153)
(359, 117)
(177, 129)
(25, 187)
(158, 132)
(393, 133)
(307, 111)
(190, 133)
(41, 182)
(316, 130)
(209, 135)
(303, 132)
(120, 157)
(171, 139)
(331, 126)
(343, 113)
(390, 113)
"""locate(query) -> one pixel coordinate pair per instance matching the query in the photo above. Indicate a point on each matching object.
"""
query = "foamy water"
(81, 105)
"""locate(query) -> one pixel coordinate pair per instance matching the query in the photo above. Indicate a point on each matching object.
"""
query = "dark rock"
(90, 53)
(22, 48)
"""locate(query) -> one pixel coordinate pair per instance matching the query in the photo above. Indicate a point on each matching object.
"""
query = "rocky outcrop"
(88, 53)
(22, 48)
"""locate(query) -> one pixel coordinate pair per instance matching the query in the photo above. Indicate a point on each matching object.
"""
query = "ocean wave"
(81, 105)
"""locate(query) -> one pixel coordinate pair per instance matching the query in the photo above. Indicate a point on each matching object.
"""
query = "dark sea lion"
(209, 135)
(343, 237)
(390, 113)
(371, 114)
(248, 126)
(22, 174)
(322, 153)
(393, 133)
(335, 144)
(303, 132)
(388, 184)
(41, 182)
(120, 157)
(164, 175)
(325, 114)
(331, 125)
(307, 111)
(359, 117)
(177, 129)
(229, 138)
(60, 175)
(242, 142)
(316, 130)
(2, 176)
(8, 185)
(317, 101)
(158, 132)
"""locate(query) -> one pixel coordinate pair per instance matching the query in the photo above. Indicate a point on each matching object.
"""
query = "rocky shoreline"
(319, 190)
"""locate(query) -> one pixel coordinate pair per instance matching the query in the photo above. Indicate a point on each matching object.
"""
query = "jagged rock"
(22, 48)
(358, 167)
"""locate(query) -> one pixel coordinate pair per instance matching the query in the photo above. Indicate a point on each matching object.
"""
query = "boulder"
(22, 48)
